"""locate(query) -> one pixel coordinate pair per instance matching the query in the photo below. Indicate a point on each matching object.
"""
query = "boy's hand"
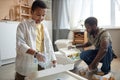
(54, 62)
(40, 57)
(71, 47)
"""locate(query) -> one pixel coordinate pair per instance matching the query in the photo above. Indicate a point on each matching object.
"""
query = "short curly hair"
(91, 21)
(38, 4)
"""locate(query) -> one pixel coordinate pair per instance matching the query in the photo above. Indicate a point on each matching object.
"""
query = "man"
(33, 42)
(103, 52)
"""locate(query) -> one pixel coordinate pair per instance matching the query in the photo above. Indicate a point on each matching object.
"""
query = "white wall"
(7, 41)
(115, 33)
(48, 24)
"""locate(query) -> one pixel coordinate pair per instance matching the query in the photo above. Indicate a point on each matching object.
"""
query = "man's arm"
(83, 45)
(101, 53)
(80, 45)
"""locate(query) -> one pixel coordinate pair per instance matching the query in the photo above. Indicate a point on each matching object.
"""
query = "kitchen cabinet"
(7, 41)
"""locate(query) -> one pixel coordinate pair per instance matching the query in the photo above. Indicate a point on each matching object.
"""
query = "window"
(117, 12)
(106, 11)
(101, 10)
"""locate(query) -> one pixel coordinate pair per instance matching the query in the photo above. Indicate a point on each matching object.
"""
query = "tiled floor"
(7, 72)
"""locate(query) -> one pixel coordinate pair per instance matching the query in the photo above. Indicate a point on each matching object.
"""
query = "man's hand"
(40, 57)
(71, 47)
(93, 67)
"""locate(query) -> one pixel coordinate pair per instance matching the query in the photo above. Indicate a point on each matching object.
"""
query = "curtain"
(79, 11)
(60, 19)
(68, 15)
(60, 14)
(118, 3)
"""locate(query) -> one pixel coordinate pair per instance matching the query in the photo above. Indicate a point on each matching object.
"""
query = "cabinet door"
(7, 40)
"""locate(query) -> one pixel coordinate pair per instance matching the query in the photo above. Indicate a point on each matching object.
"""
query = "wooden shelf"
(23, 10)
(25, 6)
(79, 37)
(27, 15)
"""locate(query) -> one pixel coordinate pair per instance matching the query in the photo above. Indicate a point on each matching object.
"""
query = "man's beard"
(92, 32)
